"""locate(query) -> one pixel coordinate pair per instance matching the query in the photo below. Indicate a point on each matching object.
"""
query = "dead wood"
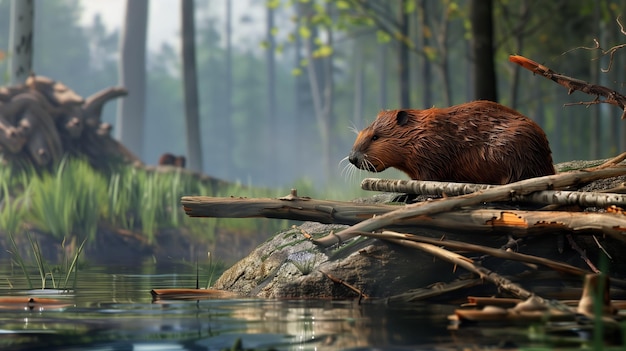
(508, 255)
(545, 197)
(469, 265)
(514, 222)
(572, 84)
(501, 193)
(42, 120)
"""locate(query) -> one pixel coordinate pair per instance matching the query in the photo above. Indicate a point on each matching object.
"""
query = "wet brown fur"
(477, 142)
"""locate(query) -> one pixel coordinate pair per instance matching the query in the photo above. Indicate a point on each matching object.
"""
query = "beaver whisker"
(380, 161)
(346, 168)
(368, 165)
(354, 128)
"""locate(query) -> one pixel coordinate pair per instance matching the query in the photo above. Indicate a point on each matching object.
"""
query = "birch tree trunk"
(21, 40)
(132, 76)
(190, 76)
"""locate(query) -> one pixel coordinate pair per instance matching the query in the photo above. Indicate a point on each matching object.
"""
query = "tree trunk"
(383, 77)
(359, 87)
(426, 79)
(190, 84)
(132, 76)
(403, 58)
(21, 40)
(273, 160)
(482, 35)
(228, 91)
(321, 80)
(594, 130)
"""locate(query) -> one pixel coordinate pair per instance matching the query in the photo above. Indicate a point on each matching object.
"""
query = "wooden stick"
(572, 84)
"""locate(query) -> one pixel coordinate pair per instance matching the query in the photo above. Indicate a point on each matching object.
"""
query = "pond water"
(111, 308)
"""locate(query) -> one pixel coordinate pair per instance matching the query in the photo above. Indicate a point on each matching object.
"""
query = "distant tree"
(190, 83)
(270, 52)
(485, 82)
(227, 103)
(21, 40)
(318, 54)
(132, 75)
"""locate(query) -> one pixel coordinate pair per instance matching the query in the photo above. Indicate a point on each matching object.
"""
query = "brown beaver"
(476, 142)
(168, 159)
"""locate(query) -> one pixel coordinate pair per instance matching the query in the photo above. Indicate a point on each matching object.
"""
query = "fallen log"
(515, 222)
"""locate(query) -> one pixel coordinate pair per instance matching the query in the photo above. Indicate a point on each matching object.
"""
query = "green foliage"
(67, 268)
(69, 202)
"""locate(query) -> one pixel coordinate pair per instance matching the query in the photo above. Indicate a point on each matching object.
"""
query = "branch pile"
(42, 120)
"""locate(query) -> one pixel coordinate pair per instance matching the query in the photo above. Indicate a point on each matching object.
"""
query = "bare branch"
(572, 84)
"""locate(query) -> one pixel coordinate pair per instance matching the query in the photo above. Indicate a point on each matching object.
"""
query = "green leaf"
(410, 6)
(304, 32)
(323, 51)
(342, 5)
(382, 36)
(272, 4)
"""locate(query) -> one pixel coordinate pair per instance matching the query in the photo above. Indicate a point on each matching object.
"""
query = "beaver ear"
(402, 117)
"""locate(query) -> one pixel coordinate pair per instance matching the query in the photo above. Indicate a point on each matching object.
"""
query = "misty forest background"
(281, 109)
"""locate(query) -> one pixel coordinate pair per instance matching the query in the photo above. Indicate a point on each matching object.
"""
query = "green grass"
(71, 202)
(66, 269)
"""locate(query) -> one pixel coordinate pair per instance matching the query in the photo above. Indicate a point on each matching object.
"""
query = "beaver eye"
(374, 137)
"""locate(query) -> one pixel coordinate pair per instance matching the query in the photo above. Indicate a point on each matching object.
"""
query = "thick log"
(290, 207)
(519, 223)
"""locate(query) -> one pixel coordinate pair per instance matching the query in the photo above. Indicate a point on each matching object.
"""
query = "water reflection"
(112, 309)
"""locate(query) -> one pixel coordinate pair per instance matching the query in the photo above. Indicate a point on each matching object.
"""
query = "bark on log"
(545, 197)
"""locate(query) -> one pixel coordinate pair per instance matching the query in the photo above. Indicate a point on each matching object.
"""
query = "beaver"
(476, 142)
(168, 159)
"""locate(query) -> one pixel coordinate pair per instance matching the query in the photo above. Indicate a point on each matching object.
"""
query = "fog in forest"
(284, 84)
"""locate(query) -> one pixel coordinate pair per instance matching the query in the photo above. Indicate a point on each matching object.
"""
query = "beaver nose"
(354, 158)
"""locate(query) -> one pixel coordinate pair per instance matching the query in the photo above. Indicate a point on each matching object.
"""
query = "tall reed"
(69, 202)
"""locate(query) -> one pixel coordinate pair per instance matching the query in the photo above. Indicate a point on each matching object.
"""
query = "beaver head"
(381, 138)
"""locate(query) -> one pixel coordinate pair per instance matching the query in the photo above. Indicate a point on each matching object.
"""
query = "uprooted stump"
(42, 120)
